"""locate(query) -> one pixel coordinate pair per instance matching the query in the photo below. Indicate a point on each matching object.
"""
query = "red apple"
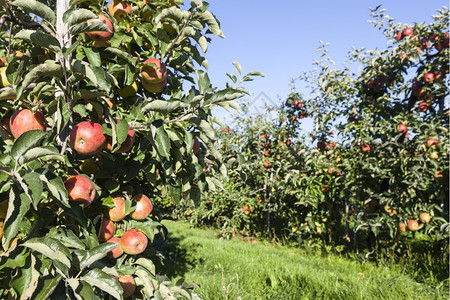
(133, 241)
(399, 35)
(365, 148)
(118, 251)
(80, 189)
(117, 213)
(25, 120)
(154, 72)
(106, 230)
(432, 142)
(429, 77)
(101, 37)
(128, 285)
(407, 31)
(87, 138)
(434, 37)
(196, 146)
(413, 225)
(118, 9)
(423, 106)
(402, 128)
(143, 207)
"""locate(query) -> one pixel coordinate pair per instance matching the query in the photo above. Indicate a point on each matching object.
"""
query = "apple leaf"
(48, 69)
(40, 38)
(148, 227)
(67, 238)
(46, 152)
(17, 208)
(46, 286)
(104, 282)
(35, 187)
(146, 263)
(51, 248)
(76, 16)
(96, 253)
(25, 142)
(126, 56)
(38, 8)
(89, 26)
(81, 289)
(56, 188)
(213, 25)
(147, 282)
(25, 282)
(93, 56)
(204, 83)
(162, 106)
(161, 139)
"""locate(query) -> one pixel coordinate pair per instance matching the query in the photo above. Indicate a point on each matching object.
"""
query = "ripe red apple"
(154, 87)
(80, 189)
(365, 148)
(196, 146)
(413, 225)
(407, 31)
(423, 106)
(143, 207)
(101, 37)
(117, 213)
(402, 128)
(118, 9)
(128, 285)
(106, 230)
(399, 35)
(125, 146)
(25, 120)
(87, 138)
(154, 72)
(116, 252)
(432, 142)
(133, 241)
(424, 217)
(429, 77)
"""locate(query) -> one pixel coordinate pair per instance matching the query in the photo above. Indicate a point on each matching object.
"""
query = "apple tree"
(104, 106)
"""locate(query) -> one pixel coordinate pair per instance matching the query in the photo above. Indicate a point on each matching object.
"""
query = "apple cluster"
(295, 108)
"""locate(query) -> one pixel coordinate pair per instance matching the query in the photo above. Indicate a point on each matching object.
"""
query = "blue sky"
(280, 38)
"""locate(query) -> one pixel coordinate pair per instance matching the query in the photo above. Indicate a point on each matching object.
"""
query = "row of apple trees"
(372, 176)
(103, 105)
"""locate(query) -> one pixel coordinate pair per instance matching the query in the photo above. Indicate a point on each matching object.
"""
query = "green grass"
(227, 269)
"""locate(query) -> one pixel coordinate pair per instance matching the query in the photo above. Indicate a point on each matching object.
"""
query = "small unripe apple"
(87, 138)
(402, 227)
(106, 230)
(133, 241)
(154, 72)
(128, 285)
(424, 217)
(413, 225)
(101, 36)
(118, 9)
(117, 213)
(128, 91)
(80, 189)
(143, 207)
(89, 166)
(25, 120)
(116, 252)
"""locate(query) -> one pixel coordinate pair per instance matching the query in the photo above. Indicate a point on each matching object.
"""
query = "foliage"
(370, 165)
(50, 242)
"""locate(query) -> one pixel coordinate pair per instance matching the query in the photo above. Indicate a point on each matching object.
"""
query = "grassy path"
(227, 269)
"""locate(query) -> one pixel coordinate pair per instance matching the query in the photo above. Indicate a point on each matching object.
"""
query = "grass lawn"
(229, 269)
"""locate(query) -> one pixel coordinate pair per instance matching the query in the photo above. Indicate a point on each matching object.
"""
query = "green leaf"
(146, 263)
(67, 237)
(89, 26)
(162, 141)
(122, 54)
(18, 206)
(238, 67)
(76, 16)
(208, 18)
(25, 282)
(35, 186)
(104, 282)
(148, 227)
(48, 69)
(162, 106)
(81, 289)
(56, 188)
(46, 286)
(38, 8)
(25, 142)
(93, 56)
(148, 283)
(96, 254)
(40, 38)
(41, 152)
(204, 84)
(51, 248)
(122, 131)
